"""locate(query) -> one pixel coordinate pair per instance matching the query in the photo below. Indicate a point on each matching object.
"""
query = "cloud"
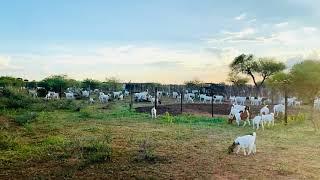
(281, 25)
(129, 62)
(252, 21)
(5, 64)
(240, 17)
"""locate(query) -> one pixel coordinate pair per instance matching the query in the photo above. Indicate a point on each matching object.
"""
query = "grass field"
(115, 143)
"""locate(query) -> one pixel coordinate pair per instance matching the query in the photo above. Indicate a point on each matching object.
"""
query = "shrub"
(168, 118)
(26, 118)
(95, 150)
(146, 151)
(13, 98)
(7, 142)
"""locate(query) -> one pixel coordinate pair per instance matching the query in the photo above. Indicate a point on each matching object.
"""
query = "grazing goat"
(69, 95)
(218, 98)
(175, 95)
(103, 98)
(279, 108)
(316, 104)
(153, 113)
(91, 101)
(239, 113)
(33, 93)
(52, 95)
(244, 142)
(85, 94)
(120, 97)
(232, 99)
(257, 121)
(240, 100)
(268, 118)
(264, 110)
(116, 94)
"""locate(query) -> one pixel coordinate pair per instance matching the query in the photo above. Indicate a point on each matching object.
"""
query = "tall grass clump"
(13, 98)
(26, 118)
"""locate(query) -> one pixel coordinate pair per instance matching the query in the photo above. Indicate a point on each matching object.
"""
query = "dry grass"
(47, 148)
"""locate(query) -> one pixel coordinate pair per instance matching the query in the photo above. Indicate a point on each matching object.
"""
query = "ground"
(112, 142)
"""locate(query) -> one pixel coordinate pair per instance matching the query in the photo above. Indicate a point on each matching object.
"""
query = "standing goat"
(153, 113)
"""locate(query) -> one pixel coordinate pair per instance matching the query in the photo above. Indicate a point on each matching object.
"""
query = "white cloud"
(130, 62)
(282, 24)
(240, 17)
(5, 64)
(252, 21)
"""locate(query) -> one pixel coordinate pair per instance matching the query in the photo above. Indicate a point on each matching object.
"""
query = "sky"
(161, 41)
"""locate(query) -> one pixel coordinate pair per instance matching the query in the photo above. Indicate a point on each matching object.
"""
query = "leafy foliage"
(248, 65)
(6, 81)
(306, 78)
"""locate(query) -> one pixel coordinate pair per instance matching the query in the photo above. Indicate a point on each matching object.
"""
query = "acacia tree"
(281, 82)
(237, 81)
(306, 78)
(250, 66)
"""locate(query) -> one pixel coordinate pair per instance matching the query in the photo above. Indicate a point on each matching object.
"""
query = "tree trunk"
(285, 107)
(312, 117)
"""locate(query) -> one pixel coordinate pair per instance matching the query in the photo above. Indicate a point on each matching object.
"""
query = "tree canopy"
(253, 67)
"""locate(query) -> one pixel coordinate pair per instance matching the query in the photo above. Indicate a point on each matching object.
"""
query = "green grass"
(114, 142)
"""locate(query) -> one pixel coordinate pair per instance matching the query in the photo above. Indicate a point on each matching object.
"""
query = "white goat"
(116, 94)
(33, 93)
(218, 98)
(175, 95)
(244, 142)
(85, 94)
(256, 122)
(264, 110)
(69, 95)
(153, 113)
(103, 98)
(91, 101)
(268, 118)
(279, 108)
(240, 100)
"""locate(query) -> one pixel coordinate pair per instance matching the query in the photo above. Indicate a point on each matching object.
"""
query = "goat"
(238, 113)
(85, 94)
(257, 121)
(33, 93)
(69, 95)
(268, 118)
(218, 98)
(244, 142)
(175, 95)
(91, 101)
(264, 110)
(240, 100)
(278, 108)
(153, 113)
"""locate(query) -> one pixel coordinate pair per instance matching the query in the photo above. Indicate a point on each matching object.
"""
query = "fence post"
(181, 95)
(155, 97)
(131, 97)
(211, 102)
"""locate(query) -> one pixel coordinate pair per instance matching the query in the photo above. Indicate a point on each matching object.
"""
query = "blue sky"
(161, 41)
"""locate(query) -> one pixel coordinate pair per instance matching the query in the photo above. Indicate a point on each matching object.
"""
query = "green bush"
(96, 150)
(13, 98)
(7, 142)
(26, 118)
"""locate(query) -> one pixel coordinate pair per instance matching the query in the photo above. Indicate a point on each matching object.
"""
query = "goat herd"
(239, 112)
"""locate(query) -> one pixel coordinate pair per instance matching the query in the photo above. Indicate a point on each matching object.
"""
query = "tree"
(262, 67)
(281, 82)
(58, 83)
(306, 80)
(11, 81)
(111, 84)
(193, 84)
(90, 84)
(237, 80)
